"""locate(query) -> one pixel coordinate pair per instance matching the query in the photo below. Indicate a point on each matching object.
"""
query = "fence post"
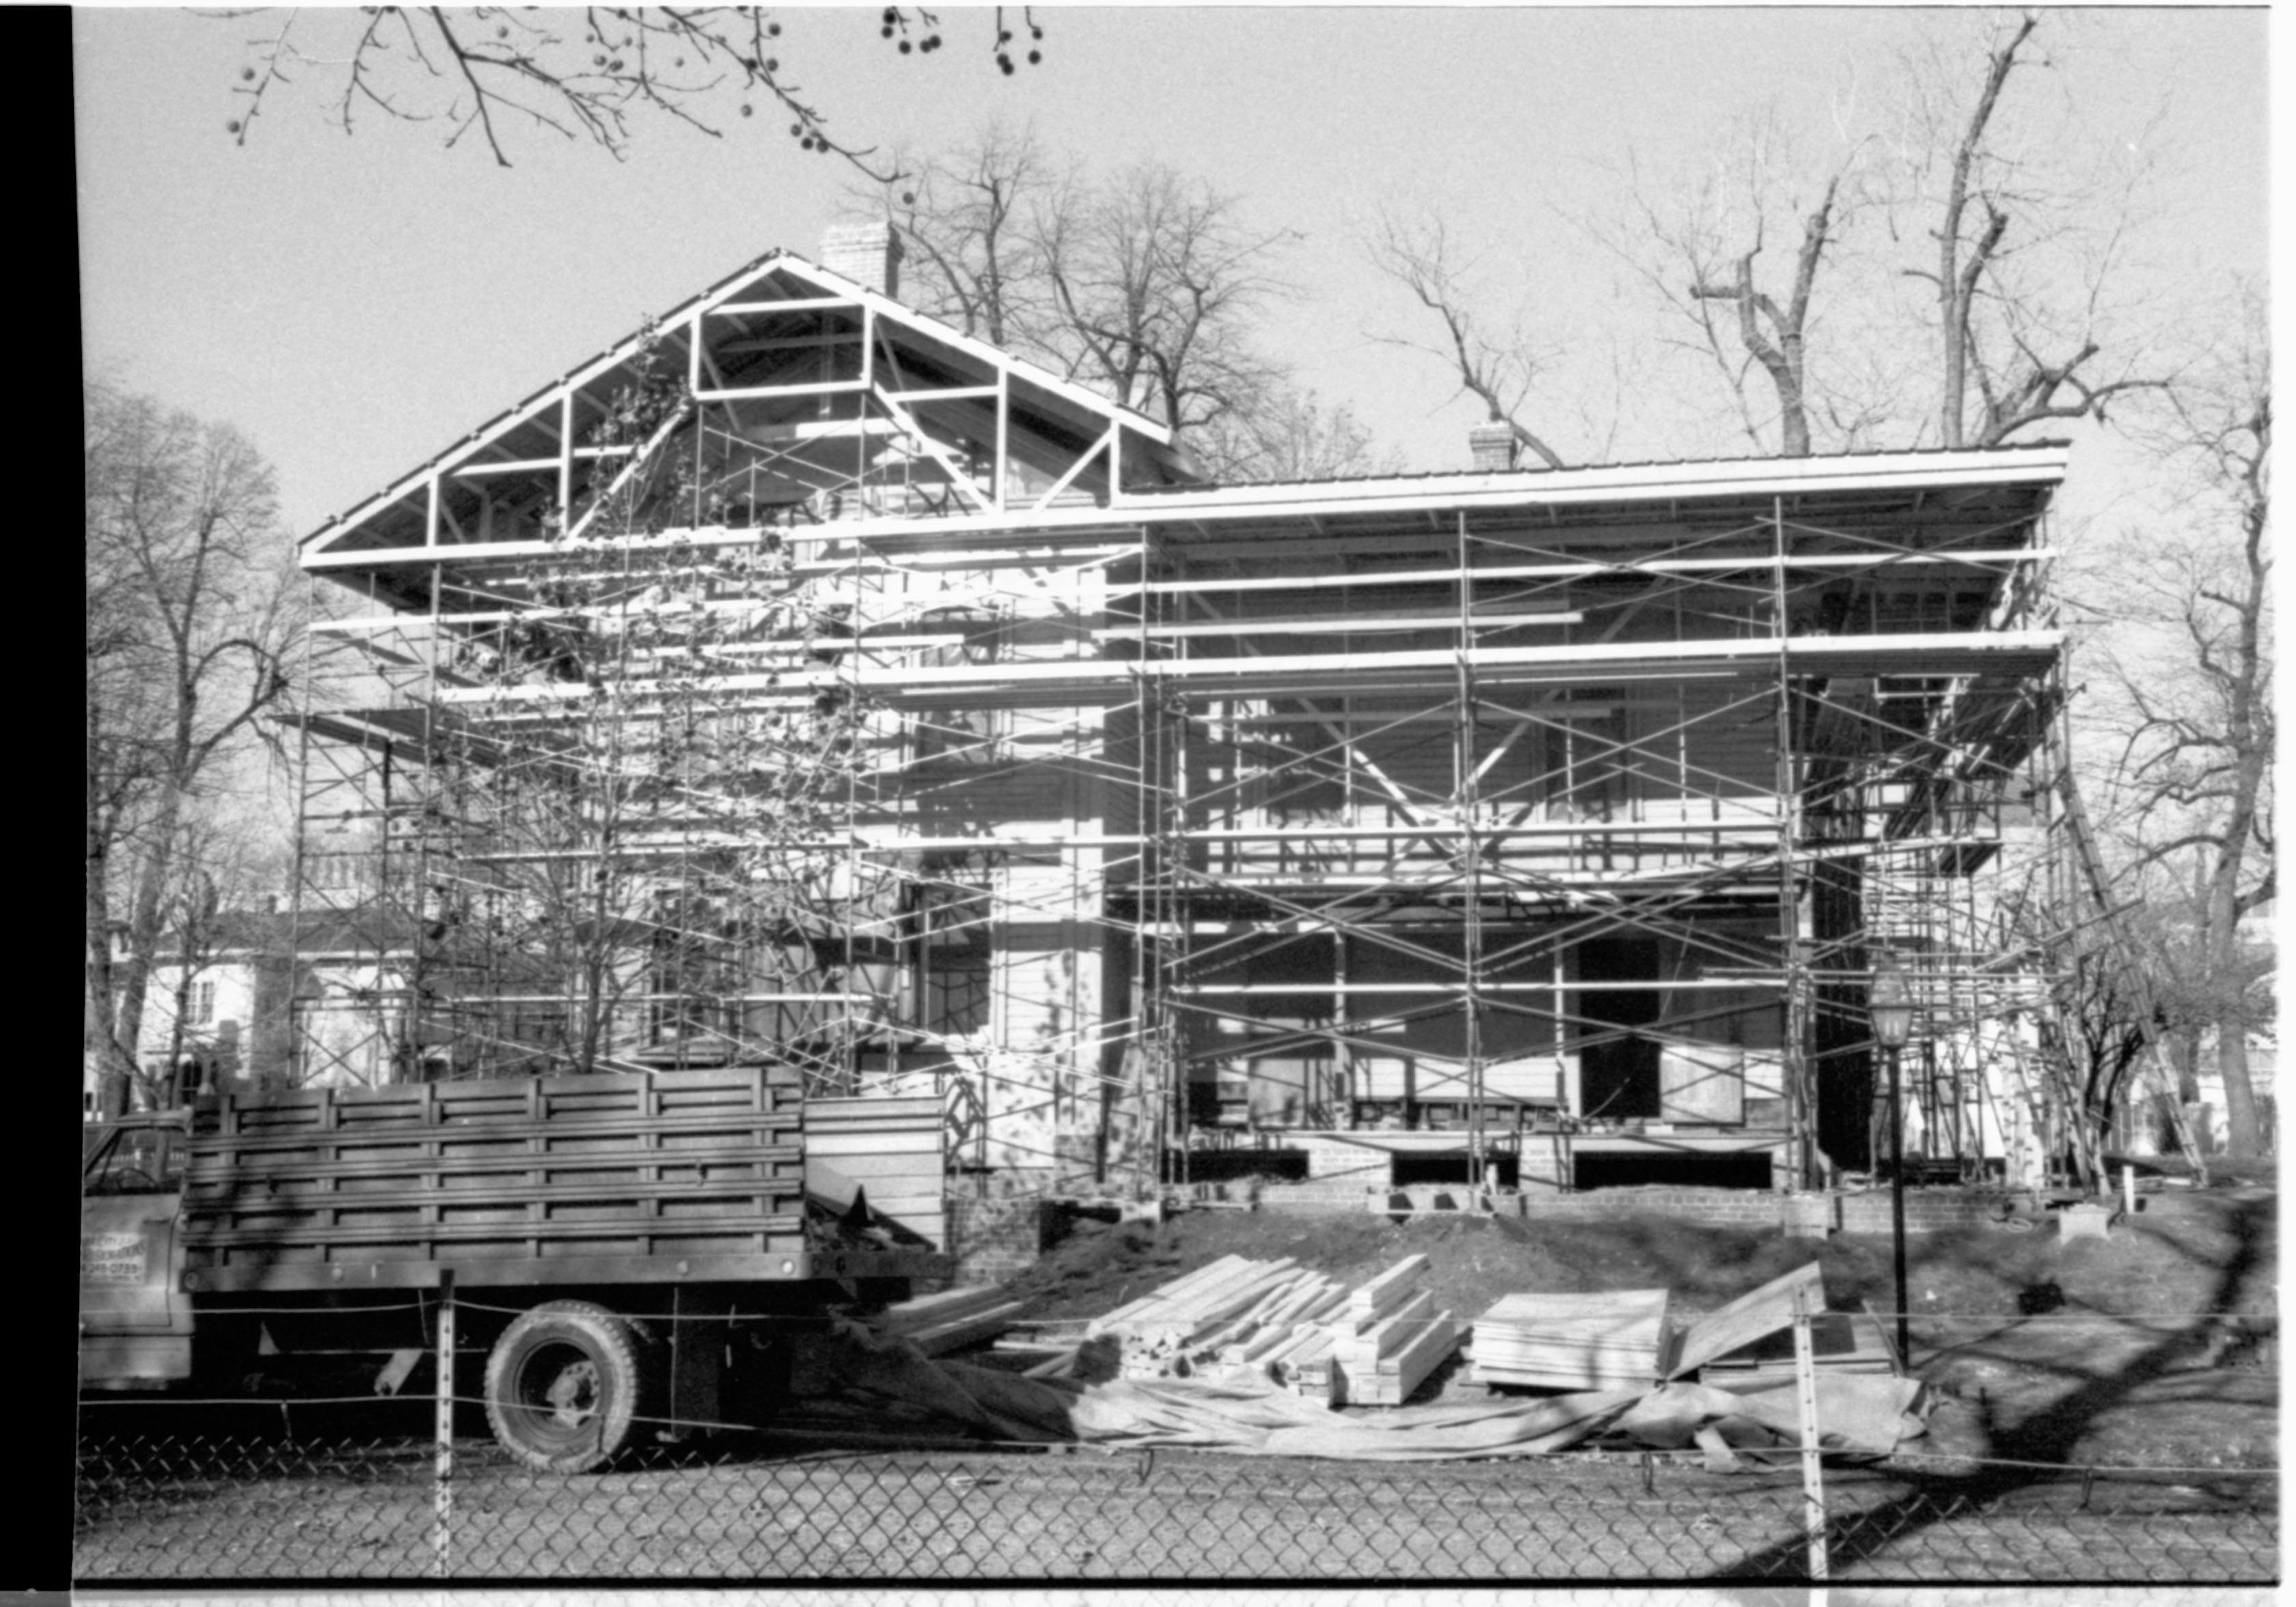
(1813, 1487)
(442, 1513)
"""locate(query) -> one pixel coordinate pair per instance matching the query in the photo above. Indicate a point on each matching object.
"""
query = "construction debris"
(1864, 1415)
(1273, 1321)
(1752, 1317)
(1238, 1329)
(937, 1324)
(1840, 1341)
(1250, 1356)
(1178, 1330)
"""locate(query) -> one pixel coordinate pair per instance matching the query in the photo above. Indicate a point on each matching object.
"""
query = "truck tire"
(563, 1384)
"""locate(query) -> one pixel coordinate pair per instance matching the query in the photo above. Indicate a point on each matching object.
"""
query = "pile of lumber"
(1275, 1320)
(1376, 1348)
(1611, 1340)
(1188, 1327)
(936, 1323)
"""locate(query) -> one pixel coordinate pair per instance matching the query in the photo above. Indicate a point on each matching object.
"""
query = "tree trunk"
(2241, 1126)
(134, 979)
(101, 1064)
(1959, 278)
(2184, 1054)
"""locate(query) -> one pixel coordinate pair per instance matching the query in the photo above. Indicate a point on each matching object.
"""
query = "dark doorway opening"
(1505, 1171)
(1617, 1071)
(1228, 1166)
(1743, 1168)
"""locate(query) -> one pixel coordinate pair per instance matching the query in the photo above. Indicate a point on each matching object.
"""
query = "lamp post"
(1889, 1003)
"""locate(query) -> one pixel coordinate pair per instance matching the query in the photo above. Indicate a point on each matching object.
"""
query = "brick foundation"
(995, 1237)
(1806, 1215)
(1928, 1211)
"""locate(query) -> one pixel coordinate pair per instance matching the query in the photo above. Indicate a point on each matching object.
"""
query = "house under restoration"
(803, 680)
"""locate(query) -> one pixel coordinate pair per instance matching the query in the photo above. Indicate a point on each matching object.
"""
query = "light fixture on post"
(1890, 1005)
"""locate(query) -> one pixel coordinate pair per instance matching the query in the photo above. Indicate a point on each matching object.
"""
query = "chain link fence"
(295, 1498)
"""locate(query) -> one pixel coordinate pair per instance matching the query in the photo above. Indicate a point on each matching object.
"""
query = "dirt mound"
(1472, 1259)
(2203, 1252)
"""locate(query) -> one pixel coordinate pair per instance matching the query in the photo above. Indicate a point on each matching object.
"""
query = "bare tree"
(1700, 255)
(1157, 282)
(192, 606)
(632, 877)
(2020, 343)
(2193, 672)
(1499, 371)
(972, 255)
(1775, 336)
(1291, 435)
(1698, 248)
(1144, 284)
(1783, 272)
(592, 75)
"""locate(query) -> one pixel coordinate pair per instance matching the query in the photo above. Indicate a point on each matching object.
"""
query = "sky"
(355, 304)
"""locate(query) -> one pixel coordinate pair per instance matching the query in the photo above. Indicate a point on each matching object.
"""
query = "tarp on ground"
(1863, 1413)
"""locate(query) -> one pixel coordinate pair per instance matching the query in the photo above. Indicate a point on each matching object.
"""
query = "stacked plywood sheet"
(1622, 1339)
(1377, 1348)
(939, 1323)
(1610, 1340)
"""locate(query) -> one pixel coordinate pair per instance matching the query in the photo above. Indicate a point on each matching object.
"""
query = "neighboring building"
(937, 723)
(267, 999)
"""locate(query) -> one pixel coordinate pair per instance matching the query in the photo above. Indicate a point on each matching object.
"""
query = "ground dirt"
(2035, 1347)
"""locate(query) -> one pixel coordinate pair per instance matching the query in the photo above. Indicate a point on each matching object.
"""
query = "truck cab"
(135, 1321)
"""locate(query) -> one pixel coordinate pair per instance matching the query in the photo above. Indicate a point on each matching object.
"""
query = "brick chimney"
(1493, 447)
(867, 253)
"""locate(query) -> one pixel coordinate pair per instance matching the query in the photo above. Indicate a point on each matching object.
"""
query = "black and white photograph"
(1006, 804)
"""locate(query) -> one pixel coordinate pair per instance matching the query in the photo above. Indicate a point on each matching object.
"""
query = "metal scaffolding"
(802, 681)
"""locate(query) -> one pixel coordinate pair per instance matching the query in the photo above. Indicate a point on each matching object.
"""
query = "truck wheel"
(562, 1386)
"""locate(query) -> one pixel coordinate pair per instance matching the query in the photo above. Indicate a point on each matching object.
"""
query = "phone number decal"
(112, 1259)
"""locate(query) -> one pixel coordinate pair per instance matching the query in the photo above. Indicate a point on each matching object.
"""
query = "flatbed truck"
(626, 1251)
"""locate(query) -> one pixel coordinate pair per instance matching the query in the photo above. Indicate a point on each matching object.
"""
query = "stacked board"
(1611, 1340)
(937, 1324)
(1275, 1320)
(1181, 1329)
(1375, 1348)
